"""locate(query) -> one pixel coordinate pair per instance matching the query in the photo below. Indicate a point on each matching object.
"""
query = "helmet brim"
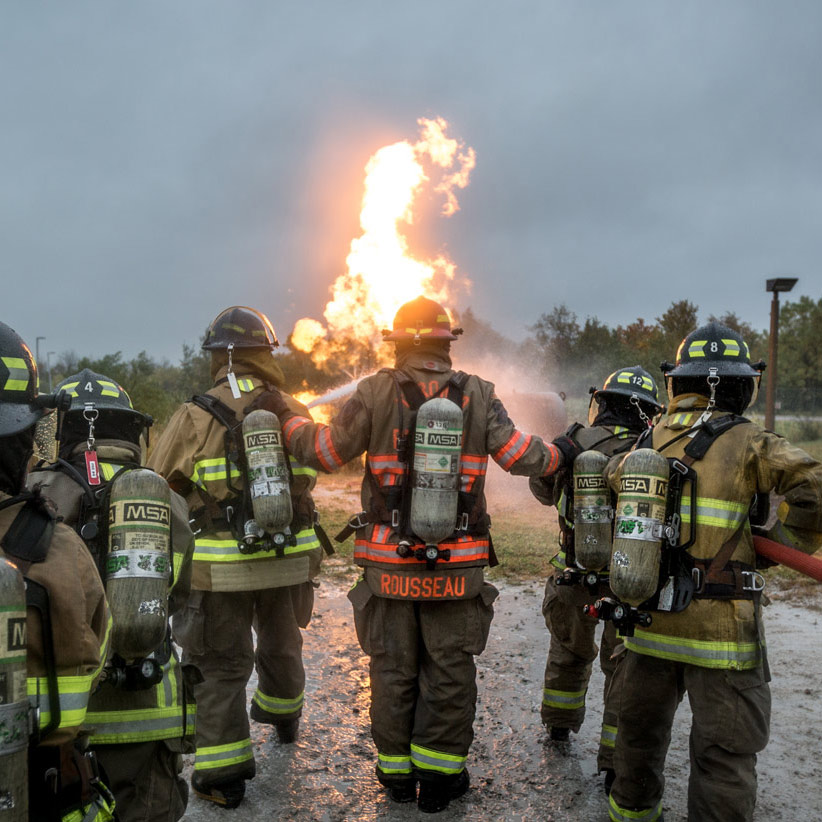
(17, 417)
(723, 369)
(422, 334)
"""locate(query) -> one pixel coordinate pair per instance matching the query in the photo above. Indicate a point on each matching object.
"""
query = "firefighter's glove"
(271, 400)
(570, 450)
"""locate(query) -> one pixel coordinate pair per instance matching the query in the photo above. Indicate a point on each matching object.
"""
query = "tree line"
(565, 352)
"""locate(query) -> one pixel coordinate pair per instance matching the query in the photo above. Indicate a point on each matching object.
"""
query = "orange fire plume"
(382, 274)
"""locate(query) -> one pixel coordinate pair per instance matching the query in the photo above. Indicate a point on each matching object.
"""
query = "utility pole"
(37, 351)
(48, 360)
(774, 286)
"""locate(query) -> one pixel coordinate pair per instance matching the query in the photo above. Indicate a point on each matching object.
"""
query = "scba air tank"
(268, 475)
(436, 471)
(593, 513)
(640, 519)
(14, 704)
(137, 565)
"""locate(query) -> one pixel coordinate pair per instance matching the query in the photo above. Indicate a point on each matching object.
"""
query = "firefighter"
(141, 728)
(618, 413)
(67, 619)
(422, 609)
(238, 582)
(709, 640)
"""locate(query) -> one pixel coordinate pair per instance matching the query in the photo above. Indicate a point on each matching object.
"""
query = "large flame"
(381, 273)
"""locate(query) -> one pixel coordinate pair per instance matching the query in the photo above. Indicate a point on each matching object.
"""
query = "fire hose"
(790, 557)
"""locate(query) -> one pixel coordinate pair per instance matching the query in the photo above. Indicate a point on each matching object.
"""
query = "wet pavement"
(517, 775)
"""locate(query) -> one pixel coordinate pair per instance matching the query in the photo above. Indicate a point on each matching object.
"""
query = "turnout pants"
(731, 717)
(423, 679)
(145, 780)
(215, 634)
(571, 653)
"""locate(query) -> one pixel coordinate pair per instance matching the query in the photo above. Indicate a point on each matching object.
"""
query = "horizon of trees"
(562, 351)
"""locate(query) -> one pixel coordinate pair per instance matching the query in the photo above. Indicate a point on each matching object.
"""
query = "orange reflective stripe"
(516, 446)
(292, 425)
(554, 464)
(325, 451)
(379, 549)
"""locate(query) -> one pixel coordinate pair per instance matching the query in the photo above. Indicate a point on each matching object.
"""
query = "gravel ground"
(516, 773)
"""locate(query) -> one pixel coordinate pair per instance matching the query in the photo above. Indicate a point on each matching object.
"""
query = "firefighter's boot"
(287, 732)
(559, 734)
(437, 791)
(400, 789)
(225, 794)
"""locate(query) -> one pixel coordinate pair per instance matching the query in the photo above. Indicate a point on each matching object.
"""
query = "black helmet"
(628, 395)
(19, 407)
(113, 414)
(240, 327)
(632, 381)
(713, 348)
(421, 319)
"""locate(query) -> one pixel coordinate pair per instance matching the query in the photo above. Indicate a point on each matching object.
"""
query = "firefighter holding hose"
(618, 413)
(422, 609)
(684, 554)
(67, 623)
(257, 550)
(142, 716)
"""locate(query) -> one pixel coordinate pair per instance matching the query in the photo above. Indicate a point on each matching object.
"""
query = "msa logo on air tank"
(140, 512)
(262, 438)
(643, 485)
(585, 483)
(437, 438)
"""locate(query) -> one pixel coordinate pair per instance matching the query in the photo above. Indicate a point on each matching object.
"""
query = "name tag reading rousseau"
(422, 586)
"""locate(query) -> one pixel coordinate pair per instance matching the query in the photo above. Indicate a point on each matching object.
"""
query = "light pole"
(37, 350)
(774, 286)
(48, 361)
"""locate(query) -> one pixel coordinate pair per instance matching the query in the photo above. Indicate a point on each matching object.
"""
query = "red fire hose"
(791, 557)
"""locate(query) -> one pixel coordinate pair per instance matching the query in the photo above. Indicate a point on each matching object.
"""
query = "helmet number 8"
(714, 346)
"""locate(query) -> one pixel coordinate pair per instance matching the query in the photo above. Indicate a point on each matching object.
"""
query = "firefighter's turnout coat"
(79, 623)
(573, 646)
(150, 728)
(420, 627)
(232, 589)
(715, 647)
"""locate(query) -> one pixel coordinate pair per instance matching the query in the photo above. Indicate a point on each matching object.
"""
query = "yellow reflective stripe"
(18, 379)
(731, 348)
(232, 327)
(98, 810)
(301, 470)
(565, 700)
(394, 764)
(430, 760)
(109, 470)
(221, 756)
(227, 550)
(275, 705)
(608, 736)
(177, 564)
(737, 656)
(108, 388)
(718, 513)
(695, 348)
(69, 388)
(617, 814)
(245, 384)
(112, 727)
(211, 470)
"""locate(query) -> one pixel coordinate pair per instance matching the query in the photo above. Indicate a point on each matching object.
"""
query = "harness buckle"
(462, 523)
(395, 517)
(753, 581)
(679, 467)
(698, 576)
(356, 522)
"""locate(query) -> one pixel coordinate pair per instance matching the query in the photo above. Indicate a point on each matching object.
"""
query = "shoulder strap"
(217, 408)
(29, 535)
(707, 435)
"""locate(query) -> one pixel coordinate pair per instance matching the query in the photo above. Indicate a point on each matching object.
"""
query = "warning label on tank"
(12, 634)
(14, 727)
(267, 488)
(437, 463)
(137, 563)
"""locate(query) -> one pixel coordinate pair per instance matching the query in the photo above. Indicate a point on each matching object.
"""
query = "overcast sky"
(163, 160)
